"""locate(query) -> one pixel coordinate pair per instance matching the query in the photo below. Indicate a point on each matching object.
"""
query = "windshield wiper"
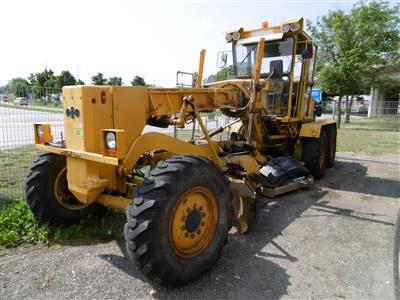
(247, 55)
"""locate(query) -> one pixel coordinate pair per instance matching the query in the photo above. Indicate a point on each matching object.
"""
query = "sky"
(151, 39)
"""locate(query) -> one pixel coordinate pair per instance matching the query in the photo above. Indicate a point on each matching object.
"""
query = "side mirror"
(222, 59)
(276, 66)
(307, 51)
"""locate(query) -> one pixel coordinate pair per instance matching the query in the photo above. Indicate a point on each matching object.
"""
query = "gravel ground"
(334, 240)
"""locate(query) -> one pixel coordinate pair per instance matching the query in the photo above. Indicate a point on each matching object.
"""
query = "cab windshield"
(245, 55)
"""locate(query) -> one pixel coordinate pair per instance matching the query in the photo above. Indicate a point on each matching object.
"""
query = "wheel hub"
(62, 193)
(193, 222)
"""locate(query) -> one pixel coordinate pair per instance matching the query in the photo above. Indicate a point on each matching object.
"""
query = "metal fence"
(382, 115)
(19, 109)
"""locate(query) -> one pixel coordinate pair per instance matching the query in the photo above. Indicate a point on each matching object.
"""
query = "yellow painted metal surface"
(193, 222)
(313, 129)
(154, 140)
(114, 201)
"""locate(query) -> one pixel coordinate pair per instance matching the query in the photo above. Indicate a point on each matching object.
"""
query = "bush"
(18, 226)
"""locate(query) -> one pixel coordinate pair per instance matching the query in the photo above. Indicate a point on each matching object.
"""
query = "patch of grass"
(14, 167)
(367, 140)
(384, 123)
(18, 227)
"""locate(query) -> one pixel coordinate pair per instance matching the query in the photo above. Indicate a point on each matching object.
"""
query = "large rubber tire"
(314, 155)
(148, 228)
(331, 146)
(40, 193)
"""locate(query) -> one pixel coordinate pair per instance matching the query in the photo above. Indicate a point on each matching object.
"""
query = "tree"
(42, 83)
(65, 78)
(352, 45)
(138, 81)
(222, 74)
(18, 86)
(115, 80)
(99, 79)
(80, 82)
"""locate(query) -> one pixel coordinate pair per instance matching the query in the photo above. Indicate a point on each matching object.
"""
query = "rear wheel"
(314, 155)
(331, 146)
(48, 196)
(180, 220)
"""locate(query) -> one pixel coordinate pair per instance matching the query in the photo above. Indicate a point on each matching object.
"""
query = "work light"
(236, 35)
(40, 132)
(110, 140)
(228, 37)
(294, 26)
(285, 28)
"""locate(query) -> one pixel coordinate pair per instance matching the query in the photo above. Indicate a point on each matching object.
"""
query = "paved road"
(16, 126)
(334, 240)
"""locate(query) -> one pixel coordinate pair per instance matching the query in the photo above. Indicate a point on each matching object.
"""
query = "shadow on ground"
(353, 177)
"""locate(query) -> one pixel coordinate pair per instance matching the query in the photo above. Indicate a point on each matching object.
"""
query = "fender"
(313, 129)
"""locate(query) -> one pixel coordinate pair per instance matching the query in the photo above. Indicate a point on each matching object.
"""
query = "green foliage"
(65, 78)
(80, 82)
(138, 81)
(115, 80)
(352, 46)
(43, 79)
(18, 227)
(99, 79)
(220, 75)
(18, 86)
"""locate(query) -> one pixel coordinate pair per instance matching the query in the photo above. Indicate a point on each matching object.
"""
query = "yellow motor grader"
(182, 197)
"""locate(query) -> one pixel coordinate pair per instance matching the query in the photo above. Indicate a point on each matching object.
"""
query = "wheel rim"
(62, 194)
(193, 222)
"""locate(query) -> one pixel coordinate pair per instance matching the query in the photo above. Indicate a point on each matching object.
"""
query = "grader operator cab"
(182, 198)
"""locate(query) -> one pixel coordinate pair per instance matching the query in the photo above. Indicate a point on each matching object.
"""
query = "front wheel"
(48, 196)
(180, 220)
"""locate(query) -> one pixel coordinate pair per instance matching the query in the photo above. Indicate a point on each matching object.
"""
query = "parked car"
(363, 110)
(21, 101)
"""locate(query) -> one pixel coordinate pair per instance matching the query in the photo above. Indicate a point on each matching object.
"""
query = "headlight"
(110, 141)
(40, 131)
(285, 28)
(294, 26)
(228, 37)
(236, 36)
